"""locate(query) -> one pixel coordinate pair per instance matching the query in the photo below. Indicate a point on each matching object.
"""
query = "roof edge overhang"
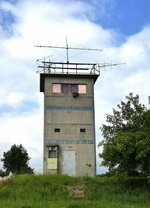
(79, 76)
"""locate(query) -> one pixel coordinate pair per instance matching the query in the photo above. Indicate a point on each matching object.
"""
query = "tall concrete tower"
(69, 124)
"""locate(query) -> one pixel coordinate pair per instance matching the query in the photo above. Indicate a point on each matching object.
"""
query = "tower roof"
(67, 70)
(83, 76)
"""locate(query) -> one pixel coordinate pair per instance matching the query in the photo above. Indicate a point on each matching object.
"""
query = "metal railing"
(67, 67)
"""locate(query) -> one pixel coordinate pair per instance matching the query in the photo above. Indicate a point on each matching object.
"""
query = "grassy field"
(57, 191)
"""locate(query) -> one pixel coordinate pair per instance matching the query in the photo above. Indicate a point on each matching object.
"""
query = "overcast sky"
(120, 28)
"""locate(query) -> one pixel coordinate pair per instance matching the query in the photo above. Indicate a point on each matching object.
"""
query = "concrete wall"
(69, 114)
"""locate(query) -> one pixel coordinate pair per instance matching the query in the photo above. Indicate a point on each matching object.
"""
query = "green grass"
(49, 191)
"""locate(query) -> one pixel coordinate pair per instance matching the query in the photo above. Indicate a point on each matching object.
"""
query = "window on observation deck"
(74, 88)
(69, 88)
(82, 89)
(65, 88)
(56, 88)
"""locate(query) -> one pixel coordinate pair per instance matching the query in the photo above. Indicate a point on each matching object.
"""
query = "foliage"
(3, 173)
(16, 160)
(126, 143)
(38, 191)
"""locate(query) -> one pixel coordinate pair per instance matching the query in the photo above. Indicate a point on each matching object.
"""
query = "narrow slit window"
(57, 130)
(82, 130)
(56, 88)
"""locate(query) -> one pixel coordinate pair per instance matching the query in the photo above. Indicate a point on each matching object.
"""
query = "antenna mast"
(67, 48)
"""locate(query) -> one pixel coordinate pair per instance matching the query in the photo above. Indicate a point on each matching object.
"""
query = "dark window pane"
(52, 154)
(65, 88)
(82, 130)
(73, 88)
(56, 130)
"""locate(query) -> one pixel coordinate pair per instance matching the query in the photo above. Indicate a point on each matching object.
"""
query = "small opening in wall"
(57, 130)
(52, 154)
(82, 130)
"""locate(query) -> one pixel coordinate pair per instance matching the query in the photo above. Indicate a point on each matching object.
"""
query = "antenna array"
(67, 48)
(54, 67)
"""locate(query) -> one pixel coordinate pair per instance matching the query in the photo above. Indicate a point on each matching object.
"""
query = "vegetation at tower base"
(53, 191)
(16, 160)
(126, 139)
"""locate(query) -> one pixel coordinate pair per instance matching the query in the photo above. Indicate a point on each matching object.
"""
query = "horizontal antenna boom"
(72, 48)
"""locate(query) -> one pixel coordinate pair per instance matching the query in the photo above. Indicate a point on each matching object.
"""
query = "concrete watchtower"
(69, 124)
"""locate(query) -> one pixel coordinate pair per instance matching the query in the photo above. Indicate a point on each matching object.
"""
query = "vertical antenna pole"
(67, 50)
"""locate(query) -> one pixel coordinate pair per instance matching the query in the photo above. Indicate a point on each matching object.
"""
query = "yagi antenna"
(52, 66)
(67, 48)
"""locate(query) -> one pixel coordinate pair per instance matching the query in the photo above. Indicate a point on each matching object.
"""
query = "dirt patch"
(76, 192)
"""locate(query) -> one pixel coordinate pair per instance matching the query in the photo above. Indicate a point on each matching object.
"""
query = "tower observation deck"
(68, 68)
(62, 69)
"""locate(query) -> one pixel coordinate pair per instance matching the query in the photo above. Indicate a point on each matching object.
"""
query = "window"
(74, 88)
(82, 130)
(52, 154)
(65, 88)
(57, 130)
(82, 89)
(69, 88)
(56, 88)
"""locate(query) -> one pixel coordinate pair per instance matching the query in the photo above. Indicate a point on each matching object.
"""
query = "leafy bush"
(3, 173)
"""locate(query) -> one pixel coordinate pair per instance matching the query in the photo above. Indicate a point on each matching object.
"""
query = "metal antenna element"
(70, 67)
(67, 48)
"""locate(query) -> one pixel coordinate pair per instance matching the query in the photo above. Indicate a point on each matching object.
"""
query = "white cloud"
(25, 129)
(14, 99)
(115, 83)
(48, 22)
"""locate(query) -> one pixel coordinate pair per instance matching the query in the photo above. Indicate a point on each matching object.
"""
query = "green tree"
(16, 160)
(126, 138)
(3, 173)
